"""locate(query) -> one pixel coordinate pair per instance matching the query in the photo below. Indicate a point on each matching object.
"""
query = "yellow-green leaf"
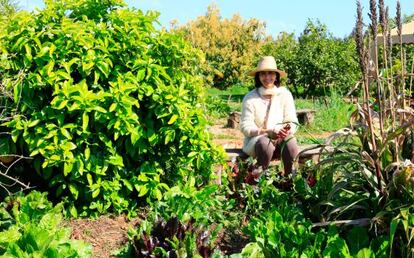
(33, 123)
(90, 179)
(73, 211)
(74, 191)
(62, 104)
(33, 153)
(67, 168)
(28, 52)
(87, 153)
(65, 133)
(143, 190)
(95, 192)
(112, 107)
(128, 184)
(85, 121)
(172, 119)
(10, 235)
(157, 194)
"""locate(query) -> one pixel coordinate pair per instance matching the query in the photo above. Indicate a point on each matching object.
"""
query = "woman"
(268, 118)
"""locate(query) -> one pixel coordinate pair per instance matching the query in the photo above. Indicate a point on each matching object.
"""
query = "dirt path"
(226, 137)
(106, 234)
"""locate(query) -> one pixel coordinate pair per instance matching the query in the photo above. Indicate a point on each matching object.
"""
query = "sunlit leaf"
(172, 119)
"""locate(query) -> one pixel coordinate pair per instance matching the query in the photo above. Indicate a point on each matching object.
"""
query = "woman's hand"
(278, 134)
(283, 133)
(268, 132)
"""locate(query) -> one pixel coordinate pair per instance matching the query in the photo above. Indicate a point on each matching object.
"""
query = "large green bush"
(108, 106)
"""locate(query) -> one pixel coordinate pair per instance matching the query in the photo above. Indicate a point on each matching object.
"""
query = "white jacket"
(253, 115)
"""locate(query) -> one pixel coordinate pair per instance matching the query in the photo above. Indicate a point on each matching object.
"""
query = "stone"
(234, 120)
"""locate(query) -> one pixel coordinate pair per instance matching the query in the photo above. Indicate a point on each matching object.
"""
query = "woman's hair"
(258, 83)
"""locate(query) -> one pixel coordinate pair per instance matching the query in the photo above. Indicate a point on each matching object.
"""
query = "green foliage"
(186, 221)
(286, 236)
(185, 201)
(316, 63)
(230, 46)
(217, 107)
(235, 90)
(109, 107)
(30, 226)
(220, 103)
(284, 49)
(280, 227)
(345, 187)
(405, 19)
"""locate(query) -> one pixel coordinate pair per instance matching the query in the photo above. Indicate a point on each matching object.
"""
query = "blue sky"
(287, 15)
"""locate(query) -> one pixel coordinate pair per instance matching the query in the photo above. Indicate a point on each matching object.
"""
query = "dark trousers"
(267, 150)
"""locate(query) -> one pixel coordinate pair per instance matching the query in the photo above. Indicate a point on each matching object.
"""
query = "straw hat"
(267, 63)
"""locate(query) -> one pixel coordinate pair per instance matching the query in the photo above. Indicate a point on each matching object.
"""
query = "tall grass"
(332, 113)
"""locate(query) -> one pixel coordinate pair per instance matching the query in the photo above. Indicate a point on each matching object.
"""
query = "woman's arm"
(289, 112)
(247, 124)
(247, 120)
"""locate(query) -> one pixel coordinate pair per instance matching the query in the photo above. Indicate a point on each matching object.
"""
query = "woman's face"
(267, 78)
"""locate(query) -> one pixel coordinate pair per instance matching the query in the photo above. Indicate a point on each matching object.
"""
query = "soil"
(233, 241)
(226, 137)
(106, 234)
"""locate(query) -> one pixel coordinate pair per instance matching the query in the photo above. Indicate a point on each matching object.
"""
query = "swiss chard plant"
(170, 238)
(107, 106)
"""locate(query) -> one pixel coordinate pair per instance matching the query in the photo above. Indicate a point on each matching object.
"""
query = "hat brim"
(281, 73)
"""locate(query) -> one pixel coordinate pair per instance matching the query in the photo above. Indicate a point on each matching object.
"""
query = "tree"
(230, 45)
(316, 62)
(8, 7)
(325, 62)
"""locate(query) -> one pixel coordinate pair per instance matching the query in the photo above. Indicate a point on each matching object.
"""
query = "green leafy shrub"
(186, 221)
(206, 205)
(30, 226)
(109, 107)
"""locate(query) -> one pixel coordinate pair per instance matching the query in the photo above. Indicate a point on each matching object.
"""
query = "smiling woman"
(268, 118)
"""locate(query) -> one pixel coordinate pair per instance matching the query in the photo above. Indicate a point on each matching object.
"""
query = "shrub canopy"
(108, 107)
